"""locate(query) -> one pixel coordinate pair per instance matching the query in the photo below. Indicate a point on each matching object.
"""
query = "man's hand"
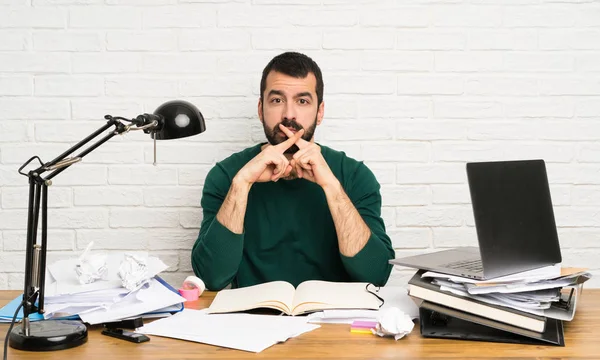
(270, 164)
(309, 162)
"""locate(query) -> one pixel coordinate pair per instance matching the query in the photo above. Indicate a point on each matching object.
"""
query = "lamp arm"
(35, 255)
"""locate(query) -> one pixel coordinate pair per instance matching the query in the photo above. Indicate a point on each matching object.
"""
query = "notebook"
(309, 296)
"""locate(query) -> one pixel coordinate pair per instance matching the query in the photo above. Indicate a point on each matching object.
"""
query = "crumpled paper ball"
(133, 271)
(393, 322)
(91, 267)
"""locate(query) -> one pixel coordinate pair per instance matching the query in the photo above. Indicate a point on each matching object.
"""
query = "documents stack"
(106, 299)
(527, 308)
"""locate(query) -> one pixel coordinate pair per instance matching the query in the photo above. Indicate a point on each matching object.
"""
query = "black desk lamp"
(172, 120)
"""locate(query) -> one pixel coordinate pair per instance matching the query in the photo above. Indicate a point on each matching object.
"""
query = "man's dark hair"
(296, 65)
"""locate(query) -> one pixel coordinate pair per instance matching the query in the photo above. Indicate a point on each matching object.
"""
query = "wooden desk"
(582, 337)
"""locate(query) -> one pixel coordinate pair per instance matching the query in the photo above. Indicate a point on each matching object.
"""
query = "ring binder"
(437, 321)
(562, 303)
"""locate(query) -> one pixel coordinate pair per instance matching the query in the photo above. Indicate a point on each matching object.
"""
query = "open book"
(310, 296)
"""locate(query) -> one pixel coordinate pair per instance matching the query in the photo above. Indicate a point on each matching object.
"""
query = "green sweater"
(289, 233)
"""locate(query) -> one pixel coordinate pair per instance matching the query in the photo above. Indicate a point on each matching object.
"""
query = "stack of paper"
(236, 331)
(393, 297)
(342, 316)
(102, 300)
(536, 292)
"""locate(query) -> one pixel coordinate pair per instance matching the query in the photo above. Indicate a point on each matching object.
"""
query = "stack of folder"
(526, 311)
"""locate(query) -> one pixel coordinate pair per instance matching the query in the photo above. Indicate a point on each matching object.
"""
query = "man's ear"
(320, 112)
(260, 110)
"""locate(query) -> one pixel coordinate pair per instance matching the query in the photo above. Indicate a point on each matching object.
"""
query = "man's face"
(291, 102)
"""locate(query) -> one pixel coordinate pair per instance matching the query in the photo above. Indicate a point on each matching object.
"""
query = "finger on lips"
(292, 138)
(299, 141)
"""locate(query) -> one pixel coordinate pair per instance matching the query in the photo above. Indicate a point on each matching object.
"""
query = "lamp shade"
(178, 119)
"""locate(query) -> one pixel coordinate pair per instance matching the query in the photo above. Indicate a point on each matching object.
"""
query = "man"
(290, 209)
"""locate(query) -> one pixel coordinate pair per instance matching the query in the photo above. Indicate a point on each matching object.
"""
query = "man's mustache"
(289, 124)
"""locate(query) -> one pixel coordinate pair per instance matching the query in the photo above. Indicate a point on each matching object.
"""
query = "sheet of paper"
(342, 316)
(393, 296)
(544, 273)
(106, 295)
(245, 332)
(63, 310)
(397, 296)
(519, 287)
(147, 299)
(577, 278)
(549, 310)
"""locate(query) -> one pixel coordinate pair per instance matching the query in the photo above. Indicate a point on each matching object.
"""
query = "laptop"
(514, 220)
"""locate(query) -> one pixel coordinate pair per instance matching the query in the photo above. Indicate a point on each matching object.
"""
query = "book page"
(277, 295)
(320, 295)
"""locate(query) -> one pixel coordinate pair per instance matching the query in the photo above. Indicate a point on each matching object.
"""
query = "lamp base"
(49, 335)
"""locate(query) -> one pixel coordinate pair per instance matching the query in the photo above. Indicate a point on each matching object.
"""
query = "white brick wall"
(415, 88)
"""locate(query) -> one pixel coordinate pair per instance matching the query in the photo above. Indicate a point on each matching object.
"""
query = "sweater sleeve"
(370, 264)
(217, 253)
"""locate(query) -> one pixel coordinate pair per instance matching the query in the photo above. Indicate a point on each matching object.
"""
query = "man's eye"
(303, 101)
(276, 100)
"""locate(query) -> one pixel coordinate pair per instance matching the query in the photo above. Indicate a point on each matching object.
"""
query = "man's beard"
(276, 136)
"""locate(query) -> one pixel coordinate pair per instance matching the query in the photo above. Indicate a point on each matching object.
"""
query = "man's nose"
(290, 111)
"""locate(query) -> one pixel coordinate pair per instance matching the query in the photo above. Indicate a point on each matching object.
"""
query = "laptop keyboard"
(471, 265)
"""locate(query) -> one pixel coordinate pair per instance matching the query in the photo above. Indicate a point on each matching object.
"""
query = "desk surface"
(582, 338)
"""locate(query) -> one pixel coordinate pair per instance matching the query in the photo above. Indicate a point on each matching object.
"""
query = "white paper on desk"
(501, 302)
(544, 273)
(393, 296)
(551, 311)
(236, 331)
(149, 298)
(67, 282)
(565, 314)
(67, 305)
(397, 296)
(342, 316)
(106, 295)
(63, 310)
(522, 297)
(538, 285)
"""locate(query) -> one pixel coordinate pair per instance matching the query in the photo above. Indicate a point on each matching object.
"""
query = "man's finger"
(276, 164)
(300, 153)
(305, 163)
(300, 142)
(289, 142)
(282, 166)
(297, 167)
(288, 171)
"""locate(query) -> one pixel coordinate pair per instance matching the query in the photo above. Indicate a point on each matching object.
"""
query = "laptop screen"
(513, 215)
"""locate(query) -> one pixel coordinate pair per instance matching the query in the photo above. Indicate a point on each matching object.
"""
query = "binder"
(421, 288)
(438, 321)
